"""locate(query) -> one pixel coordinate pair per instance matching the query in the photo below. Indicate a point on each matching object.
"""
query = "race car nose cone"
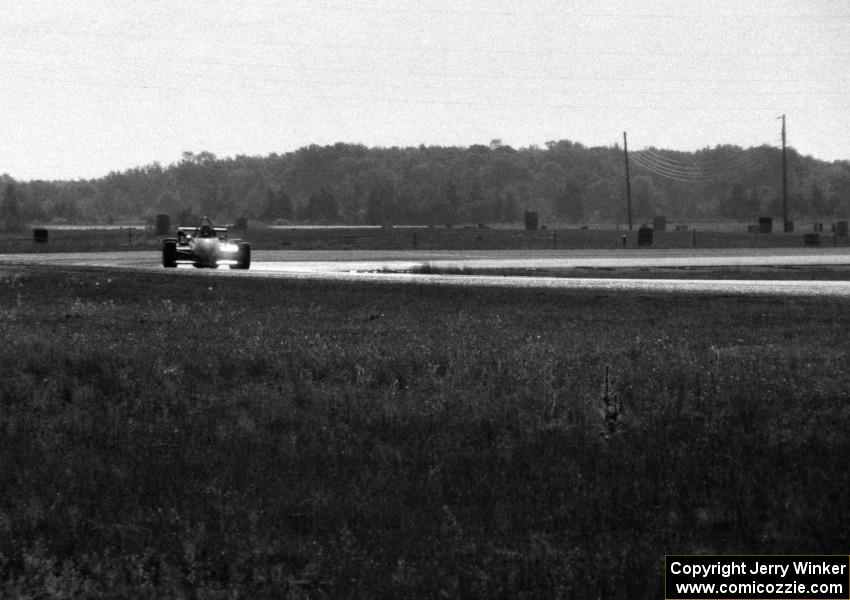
(206, 250)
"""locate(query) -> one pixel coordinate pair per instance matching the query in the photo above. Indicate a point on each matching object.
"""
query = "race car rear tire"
(243, 257)
(169, 253)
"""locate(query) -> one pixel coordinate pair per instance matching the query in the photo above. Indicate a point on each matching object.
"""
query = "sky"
(95, 86)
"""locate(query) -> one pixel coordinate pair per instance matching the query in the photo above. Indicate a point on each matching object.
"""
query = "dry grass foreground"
(209, 436)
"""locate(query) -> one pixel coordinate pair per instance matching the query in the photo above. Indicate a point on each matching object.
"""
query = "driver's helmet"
(207, 231)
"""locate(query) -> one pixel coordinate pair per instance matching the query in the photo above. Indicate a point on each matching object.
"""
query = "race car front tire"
(169, 253)
(243, 256)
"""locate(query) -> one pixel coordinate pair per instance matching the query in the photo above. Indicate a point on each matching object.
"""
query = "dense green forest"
(566, 182)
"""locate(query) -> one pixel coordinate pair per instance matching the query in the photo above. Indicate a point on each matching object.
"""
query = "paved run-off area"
(757, 271)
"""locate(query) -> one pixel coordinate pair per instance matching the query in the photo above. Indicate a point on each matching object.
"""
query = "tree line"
(565, 182)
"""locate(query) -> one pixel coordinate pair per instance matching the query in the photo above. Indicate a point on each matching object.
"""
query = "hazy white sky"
(93, 86)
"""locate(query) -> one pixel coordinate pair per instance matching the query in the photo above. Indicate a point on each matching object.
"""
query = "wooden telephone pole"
(628, 181)
(785, 222)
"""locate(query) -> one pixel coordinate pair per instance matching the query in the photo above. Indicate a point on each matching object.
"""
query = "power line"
(664, 160)
(726, 163)
(678, 176)
(698, 168)
(688, 172)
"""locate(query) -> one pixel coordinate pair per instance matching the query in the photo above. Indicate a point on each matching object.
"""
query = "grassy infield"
(210, 435)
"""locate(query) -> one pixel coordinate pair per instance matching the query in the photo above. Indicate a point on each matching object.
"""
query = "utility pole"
(628, 181)
(786, 224)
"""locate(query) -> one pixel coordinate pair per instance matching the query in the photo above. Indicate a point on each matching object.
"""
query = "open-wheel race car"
(205, 245)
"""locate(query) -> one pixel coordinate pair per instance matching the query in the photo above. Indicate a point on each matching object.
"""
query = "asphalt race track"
(396, 267)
